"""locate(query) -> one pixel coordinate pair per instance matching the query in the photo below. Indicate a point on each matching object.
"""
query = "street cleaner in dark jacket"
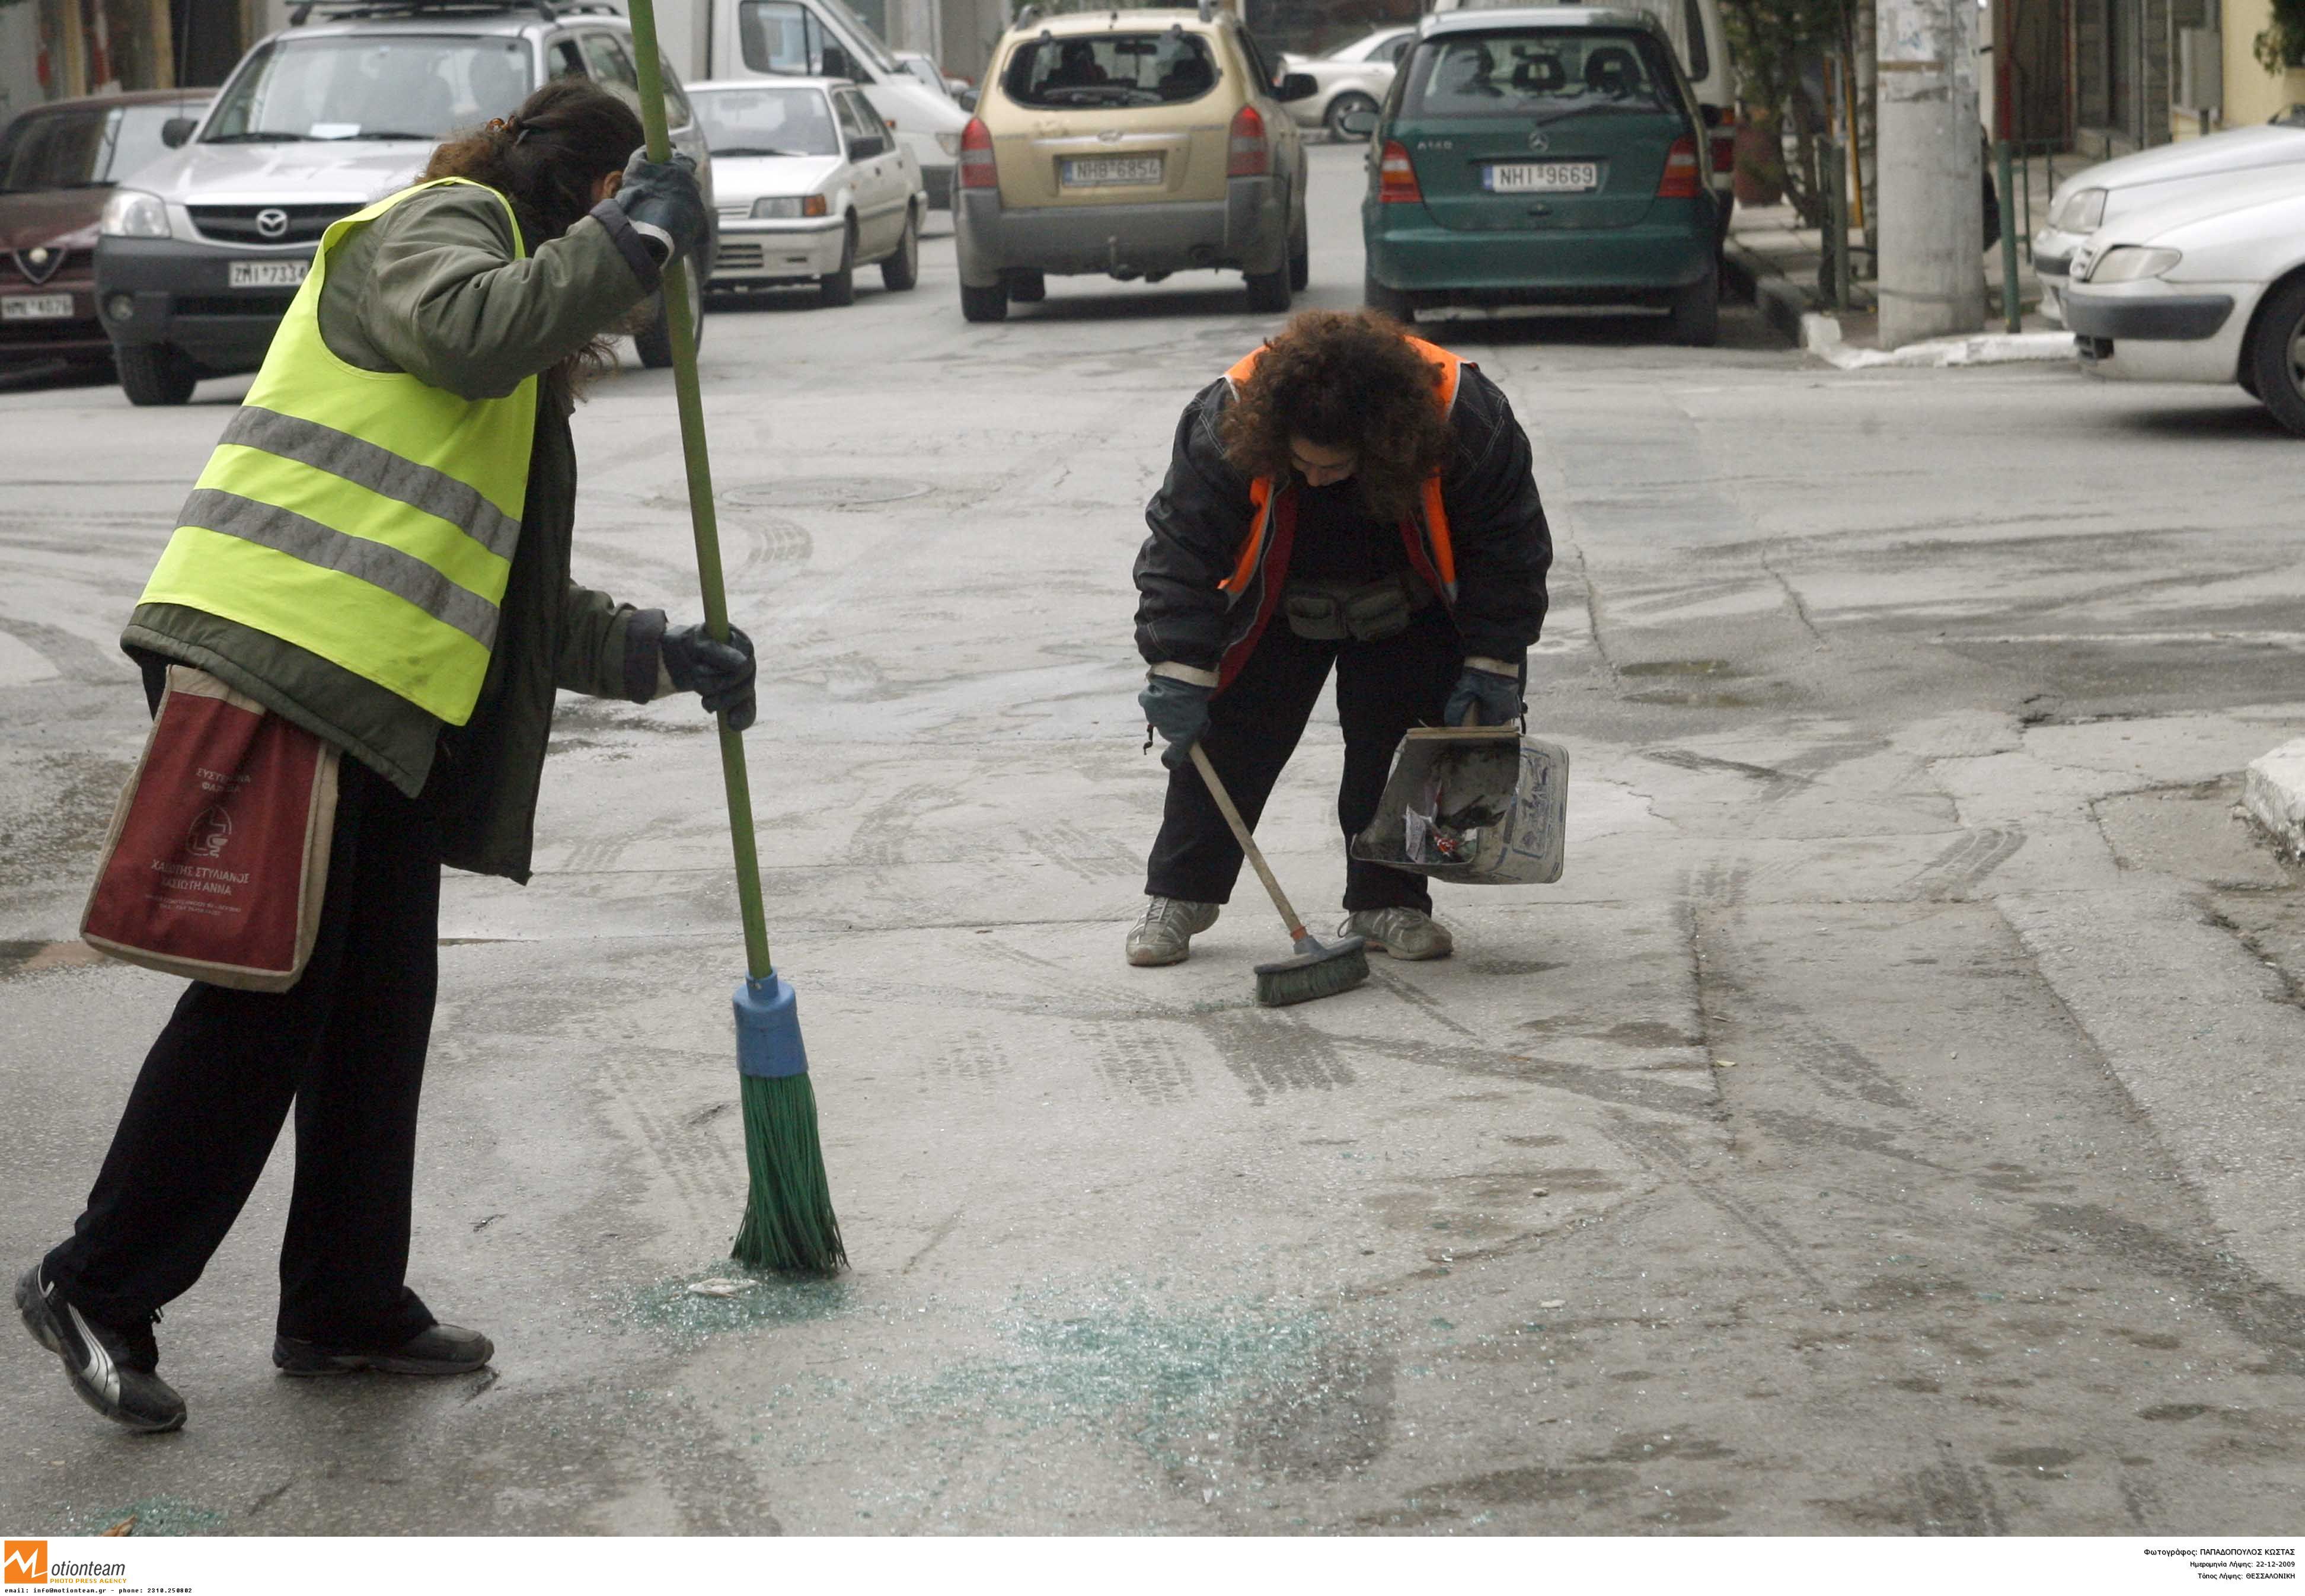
(1347, 497)
(379, 552)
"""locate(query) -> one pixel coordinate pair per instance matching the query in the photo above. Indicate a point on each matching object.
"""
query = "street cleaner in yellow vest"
(379, 552)
(1347, 497)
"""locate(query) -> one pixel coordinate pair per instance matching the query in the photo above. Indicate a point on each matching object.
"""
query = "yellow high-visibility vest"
(365, 515)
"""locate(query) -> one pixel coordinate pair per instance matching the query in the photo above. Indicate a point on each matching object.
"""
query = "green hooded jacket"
(432, 288)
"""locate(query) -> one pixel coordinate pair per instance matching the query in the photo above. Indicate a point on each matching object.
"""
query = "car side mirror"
(1296, 86)
(967, 98)
(177, 130)
(1359, 123)
(865, 148)
(836, 63)
(1712, 113)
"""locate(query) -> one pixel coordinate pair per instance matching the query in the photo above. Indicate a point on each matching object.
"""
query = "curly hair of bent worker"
(547, 156)
(1343, 380)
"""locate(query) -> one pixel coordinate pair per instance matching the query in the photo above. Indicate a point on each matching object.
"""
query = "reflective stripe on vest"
(367, 516)
(1450, 369)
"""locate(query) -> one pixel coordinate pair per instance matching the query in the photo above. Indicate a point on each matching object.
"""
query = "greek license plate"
(268, 274)
(1105, 171)
(36, 307)
(1542, 177)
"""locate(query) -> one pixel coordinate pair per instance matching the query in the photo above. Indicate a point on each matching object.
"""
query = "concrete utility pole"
(1932, 216)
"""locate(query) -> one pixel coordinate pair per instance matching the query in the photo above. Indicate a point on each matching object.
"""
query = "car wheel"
(984, 304)
(653, 343)
(155, 374)
(902, 270)
(1695, 314)
(2277, 354)
(839, 288)
(1394, 303)
(1269, 292)
(1342, 107)
(1026, 287)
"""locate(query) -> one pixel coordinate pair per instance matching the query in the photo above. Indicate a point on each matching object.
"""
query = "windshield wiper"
(265, 138)
(753, 149)
(385, 133)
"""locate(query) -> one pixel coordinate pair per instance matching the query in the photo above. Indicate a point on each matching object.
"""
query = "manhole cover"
(821, 493)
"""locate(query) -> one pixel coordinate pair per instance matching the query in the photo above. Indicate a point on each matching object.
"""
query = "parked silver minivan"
(196, 263)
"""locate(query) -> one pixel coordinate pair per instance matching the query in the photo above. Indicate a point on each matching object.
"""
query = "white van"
(819, 38)
(1697, 35)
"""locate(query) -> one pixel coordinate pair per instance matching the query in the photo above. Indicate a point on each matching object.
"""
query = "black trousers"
(1383, 690)
(346, 1046)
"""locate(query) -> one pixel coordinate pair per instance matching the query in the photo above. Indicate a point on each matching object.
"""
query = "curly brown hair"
(1343, 380)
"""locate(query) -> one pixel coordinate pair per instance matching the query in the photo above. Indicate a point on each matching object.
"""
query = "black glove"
(1178, 711)
(664, 204)
(1495, 699)
(720, 673)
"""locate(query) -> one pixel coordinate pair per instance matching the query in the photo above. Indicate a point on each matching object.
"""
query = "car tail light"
(1247, 154)
(976, 168)
(1682, 180)
(1397, 177)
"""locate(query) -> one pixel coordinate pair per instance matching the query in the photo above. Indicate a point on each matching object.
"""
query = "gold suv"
(1134, 143)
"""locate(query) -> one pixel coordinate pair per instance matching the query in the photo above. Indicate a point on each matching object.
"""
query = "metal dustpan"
(1484, 805)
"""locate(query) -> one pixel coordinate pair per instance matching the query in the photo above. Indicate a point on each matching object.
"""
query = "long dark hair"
(1343, 380)
(547, 158)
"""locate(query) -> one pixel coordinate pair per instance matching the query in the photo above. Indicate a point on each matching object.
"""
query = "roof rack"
(348, 11)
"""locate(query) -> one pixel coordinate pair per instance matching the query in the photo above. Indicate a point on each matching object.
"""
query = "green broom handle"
(682, 321)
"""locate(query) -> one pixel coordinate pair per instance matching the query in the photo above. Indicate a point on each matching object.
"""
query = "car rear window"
(1539, 72)
(1111, 69)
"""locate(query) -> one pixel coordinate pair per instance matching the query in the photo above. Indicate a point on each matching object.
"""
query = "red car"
(57, 162)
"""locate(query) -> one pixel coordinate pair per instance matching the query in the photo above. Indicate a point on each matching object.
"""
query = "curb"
(2272, 789)
(1781, 303)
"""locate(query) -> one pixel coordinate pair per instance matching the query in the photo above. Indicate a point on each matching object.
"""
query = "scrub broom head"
(788, 1219)
(1313, 971)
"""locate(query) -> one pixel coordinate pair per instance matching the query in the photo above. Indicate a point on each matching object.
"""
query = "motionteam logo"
(24, 1563)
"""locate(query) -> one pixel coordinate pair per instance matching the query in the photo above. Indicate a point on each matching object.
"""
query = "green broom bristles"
(789, 1224)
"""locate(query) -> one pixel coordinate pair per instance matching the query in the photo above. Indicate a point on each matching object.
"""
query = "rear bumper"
(78, 336)
(1247, 230)
(1410, 253)
(761, 253)
(182, 296)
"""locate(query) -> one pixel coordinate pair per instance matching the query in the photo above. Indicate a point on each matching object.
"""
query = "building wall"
(2253, 95)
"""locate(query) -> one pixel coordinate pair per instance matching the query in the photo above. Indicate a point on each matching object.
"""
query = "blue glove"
(1178, 711)
(1493, 699)
(664, 204)
(722, 673)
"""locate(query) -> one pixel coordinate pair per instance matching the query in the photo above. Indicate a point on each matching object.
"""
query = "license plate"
(1542, 177)
(1105, 171)
(268, 274)
(36, 307)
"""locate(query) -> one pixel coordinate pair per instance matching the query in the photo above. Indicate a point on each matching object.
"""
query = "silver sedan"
(1352, 77)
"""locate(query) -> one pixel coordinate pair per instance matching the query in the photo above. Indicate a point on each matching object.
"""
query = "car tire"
(836, 289)
(653, 343)
(1025, 287)
(1695, 318)
(902, 270)
(984, 304)
(2277, 351)
(1268, 292)
(1333, 119)
(1300, 257)
(155, 374)
(1394, 303)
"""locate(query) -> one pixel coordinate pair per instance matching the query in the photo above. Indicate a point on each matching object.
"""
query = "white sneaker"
(1403, 933)
(1165, 935)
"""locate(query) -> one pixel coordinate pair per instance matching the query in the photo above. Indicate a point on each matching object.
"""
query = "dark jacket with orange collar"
(1209, 578)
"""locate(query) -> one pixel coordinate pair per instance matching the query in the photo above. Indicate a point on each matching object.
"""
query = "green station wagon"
(1545, 156)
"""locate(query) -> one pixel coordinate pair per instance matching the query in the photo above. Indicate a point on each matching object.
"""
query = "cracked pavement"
(1889, 1125)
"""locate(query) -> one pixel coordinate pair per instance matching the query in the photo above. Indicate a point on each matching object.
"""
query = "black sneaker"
(443, 1349)
(112, 1370)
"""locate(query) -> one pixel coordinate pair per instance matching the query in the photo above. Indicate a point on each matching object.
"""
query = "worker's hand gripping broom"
(788, 1219)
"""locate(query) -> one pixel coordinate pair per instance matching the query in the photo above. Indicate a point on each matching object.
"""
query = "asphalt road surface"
(1889, 1124)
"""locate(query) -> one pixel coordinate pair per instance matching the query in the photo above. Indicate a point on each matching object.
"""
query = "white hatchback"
(810, 184)
(2208, 287)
